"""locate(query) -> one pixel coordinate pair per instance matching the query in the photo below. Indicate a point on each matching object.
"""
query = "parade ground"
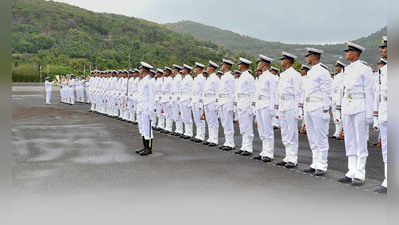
(65, 154)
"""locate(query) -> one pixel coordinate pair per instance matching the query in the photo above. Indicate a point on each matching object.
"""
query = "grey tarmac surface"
(81, 166)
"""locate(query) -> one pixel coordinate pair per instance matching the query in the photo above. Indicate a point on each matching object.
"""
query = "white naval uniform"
(101, 95)
(245, 96)
(336, 84)
(266, 98)
(63, 91)
(289, 97)
(356, 104)
(381, 119)
(91, 92)
(276, 120)
(146, 107)
(185, 104)
(71, 91)
(198, 106)
(317, 95)
(132, 93)
(167, 103)
(159, 106)
(107, 95)
(80, 90)
(226, 95)
(175, 90)
(154, 117)
(123, 98)
(48, 86)
(209, 97)
(86, 90)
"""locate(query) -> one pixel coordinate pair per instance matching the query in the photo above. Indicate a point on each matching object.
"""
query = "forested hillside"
(253, 46)
(67, 39)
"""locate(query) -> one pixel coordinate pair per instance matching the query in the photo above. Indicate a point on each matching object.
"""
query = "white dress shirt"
(317, 89)
(289, 90)
(355, 92)
(211, 89)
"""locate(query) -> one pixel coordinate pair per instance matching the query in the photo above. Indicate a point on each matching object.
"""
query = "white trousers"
(264, 118)
(213, 122)
(48, 96)
(187, 118)
(226, 117)
(200, 124)
(169, 116)
(384, 139)
(289, 134)
(87, 92)
(177, 117)
(356, 144)
(161, 115)
(317, 130)
(245, 119)
(145, 126)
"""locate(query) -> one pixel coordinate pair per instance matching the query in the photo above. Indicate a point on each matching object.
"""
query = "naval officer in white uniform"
(289, 103)
(356, 104)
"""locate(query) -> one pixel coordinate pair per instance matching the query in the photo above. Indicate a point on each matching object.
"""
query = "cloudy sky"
(292, 21)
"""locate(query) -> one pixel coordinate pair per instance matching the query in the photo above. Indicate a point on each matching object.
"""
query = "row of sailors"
(72, 90)
(162, 98)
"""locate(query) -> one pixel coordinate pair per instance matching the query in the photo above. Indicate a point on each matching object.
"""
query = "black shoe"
(238, 152)
(257, 157)
(162, 131)
(333, 137)
(198, 141)
(381, 189)
(221, 147)
(282, 163)
(138, 151)
(181, 136)
(345, 180)
(212, 145)
(175, 134)
(290, 165)
(319, 173)
(205, 143)
(245, 153)
(227, 148)
(309, 170)
(193, 139)
(146, 152)
(266, 159)
(357, 182)
(186, 137)
(178, 135)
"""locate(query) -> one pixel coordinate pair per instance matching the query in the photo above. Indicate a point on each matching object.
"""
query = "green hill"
(65, 39)
(254, 47)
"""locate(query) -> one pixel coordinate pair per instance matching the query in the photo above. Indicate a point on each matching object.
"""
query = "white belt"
(286, 97)
(243, 96)
(355, 95)
(263, 97)
(313, 99)
(224, 95)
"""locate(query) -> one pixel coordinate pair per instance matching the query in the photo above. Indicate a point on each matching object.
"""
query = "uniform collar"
(314, 66)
